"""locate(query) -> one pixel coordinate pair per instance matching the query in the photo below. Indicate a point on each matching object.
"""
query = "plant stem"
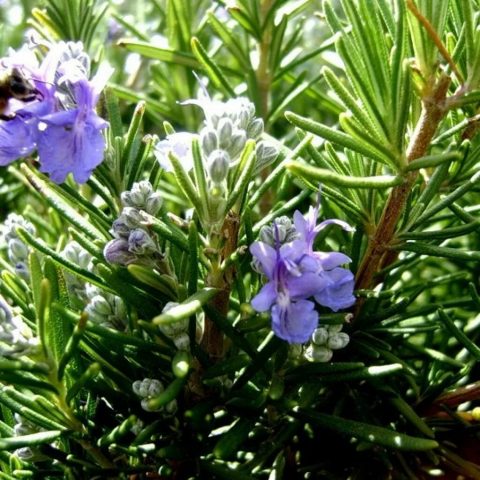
(263, 74)
(212, 340)
(377, 255)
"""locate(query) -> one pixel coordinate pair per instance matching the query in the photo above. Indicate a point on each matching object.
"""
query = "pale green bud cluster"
(324, 341)
(149, 388)
(105, 309)
(77, 255)
(16, 338)
(228, 127)
(176, 331)
(17, 251)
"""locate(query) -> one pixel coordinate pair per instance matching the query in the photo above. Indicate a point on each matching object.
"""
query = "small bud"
(153, 203)
(17, 250)
(137, 196)
(338, 340)
(140, 242)
(131, 217)
(182, 342)
(5, 312)
(255, 128)
(218, 165)
(225, 131)
(243, 118)
(208, 140)
(320, 336)
(74, 253)
(99, 306)
(116, 251)
(282, 229)
(22, 271)
(239, 139)
(147, 388)
(266, 154)
(120, 228)
(318, 354)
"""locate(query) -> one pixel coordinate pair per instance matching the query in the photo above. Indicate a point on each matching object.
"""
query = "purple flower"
(71, 141)
(18, 136)
(293, 317)
(296, 272)
(61, 122)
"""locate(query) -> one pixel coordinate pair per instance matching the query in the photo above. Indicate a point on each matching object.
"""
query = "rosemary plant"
(239, 239)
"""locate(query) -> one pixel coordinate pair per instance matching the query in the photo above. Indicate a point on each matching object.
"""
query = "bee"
(13, 84)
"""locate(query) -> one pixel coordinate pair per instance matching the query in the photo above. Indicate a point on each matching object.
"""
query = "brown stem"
(212, 340)
(376, 256)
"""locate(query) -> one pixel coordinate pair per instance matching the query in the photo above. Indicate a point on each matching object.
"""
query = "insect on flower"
(14, 84)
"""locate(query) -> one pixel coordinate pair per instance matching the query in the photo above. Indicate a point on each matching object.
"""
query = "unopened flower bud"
(17, 250)
(137, 196)
(266, 154)
(148, 387)
(208, 140)
(182, 342)
(22, 271)
(318, 354)
(239, 139)
(99, 305)
(218, 165)
(116, 251)
(120, 228)
(320, 336)
(153, 203)
(338, 340)
(243, 118)
(255, 128)
(282, 231)
(5, 312)
(76, 254)
(131, 217)
(140, 242)
(224, 131)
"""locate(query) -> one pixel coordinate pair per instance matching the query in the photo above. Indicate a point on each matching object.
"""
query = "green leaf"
(212, 69)
(57, 203)
(169, 394)
(231, 441)
(364, 431)
(459, 334)
(163, 54)
(57, 258)
(184, 181)
(57, 329)
(242, 175)
(434, 251)
(339, 138)
(229, 41)
(314, 174)
(190, 306)
(31, 440)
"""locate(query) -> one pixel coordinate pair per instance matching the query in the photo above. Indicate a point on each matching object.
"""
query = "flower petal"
(17, 139)
(265, 298)
(296, 323)
(266, 255)
(339, 293)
